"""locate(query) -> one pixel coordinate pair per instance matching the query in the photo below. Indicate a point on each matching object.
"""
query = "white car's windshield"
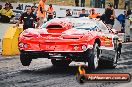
(87, 26)
(102, 27)
(83, 23)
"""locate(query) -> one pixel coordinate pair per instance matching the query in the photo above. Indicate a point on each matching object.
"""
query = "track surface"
(41, 73)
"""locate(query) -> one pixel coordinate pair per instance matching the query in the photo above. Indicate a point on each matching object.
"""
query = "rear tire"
(60, 63)
(25, 59)
(93, 57)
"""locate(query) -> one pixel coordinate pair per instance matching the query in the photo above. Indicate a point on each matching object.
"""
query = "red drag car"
(64, 40)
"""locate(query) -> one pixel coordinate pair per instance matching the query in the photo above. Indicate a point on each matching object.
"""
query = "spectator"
(34, 5)
(121, 19)
(0, 7)
(50, 12)
(34, 9)
(83, 14)
(18, 7)
(68, 13)
(25, 7)
(6, 14)
(28, 19)
(93, 14)
(92, 3)
(98, 3)
(116, 2)
(109, 15)
(21, 6)
(82, 3)
(129, 12)
(0, 10)
(127, 4)
(11, 7)
(77, 3)
(41, 13)
(102, 3)
(102, 17)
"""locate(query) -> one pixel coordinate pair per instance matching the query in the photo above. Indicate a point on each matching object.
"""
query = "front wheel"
(25, 59)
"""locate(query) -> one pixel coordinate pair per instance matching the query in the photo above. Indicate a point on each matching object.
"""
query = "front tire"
(25, 59)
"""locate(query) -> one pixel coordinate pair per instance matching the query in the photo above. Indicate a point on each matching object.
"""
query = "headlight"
(21, 44)
(84, 47)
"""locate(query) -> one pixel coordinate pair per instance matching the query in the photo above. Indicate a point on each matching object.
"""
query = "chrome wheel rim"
(95, 56)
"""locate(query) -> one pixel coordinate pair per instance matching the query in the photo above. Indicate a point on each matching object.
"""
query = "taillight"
(84, 47)
(23, 45)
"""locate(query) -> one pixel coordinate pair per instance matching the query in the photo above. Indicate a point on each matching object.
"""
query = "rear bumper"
(57, 55)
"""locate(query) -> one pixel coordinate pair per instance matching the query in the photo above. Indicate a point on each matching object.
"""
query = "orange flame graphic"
(81, 70)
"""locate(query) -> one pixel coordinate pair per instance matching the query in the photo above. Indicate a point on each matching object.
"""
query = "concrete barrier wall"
(10, 41)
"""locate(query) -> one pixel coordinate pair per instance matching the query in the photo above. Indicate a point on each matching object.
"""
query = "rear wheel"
(60, 63)
(93, 57)
(25, 59)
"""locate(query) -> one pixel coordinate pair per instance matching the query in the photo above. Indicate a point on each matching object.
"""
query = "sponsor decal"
(106, 40)
(82, 77)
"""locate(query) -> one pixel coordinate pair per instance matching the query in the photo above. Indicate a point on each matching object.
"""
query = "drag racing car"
(64, 40)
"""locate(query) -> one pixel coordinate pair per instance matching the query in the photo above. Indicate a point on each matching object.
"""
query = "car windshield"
(85, 25)
(102, 27)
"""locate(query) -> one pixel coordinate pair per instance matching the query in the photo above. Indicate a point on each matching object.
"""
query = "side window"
(102, 27)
